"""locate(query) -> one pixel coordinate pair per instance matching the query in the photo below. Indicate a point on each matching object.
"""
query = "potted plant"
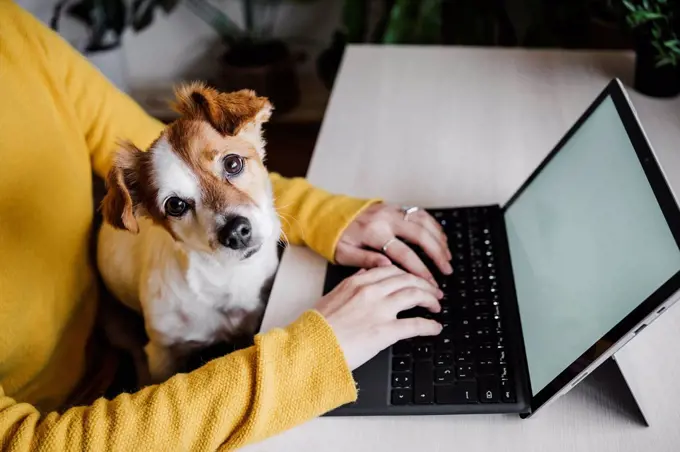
(254, 57)
(104, 22)
(656, 24)
(384, 22)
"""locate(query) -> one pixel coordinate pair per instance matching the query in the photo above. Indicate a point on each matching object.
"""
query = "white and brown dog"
(190, 233)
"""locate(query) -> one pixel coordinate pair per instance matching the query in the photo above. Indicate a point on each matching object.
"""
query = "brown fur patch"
(228, 113)
(200, 148)
(131, 189)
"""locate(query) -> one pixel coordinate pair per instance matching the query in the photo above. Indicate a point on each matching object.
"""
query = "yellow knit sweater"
(59, 119)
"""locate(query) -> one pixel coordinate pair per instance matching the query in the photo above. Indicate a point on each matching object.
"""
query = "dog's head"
(203, 179)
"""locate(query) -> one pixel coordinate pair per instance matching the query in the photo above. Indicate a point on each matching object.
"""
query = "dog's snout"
(236, 234)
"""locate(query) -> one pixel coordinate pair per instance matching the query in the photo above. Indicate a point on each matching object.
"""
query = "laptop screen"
(588, 243)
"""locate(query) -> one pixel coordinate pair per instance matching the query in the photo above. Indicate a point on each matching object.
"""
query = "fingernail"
(447, 268)
(440, 294)
(449, 255)
(433, 282)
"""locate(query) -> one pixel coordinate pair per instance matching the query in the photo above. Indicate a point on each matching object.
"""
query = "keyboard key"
(486, 368)
(464, 323)
(450, 395)
(402, 396)
(464, 372)
(402, 348)
(464, 336)
(502, 359)
(508, 392)
(443, 360)
(503, 372)
(401, 380)
(423, 351)
(456, 394)
(422, 384)
(446, 312)
(401, 364)
(486, 355)
(464, 355)
(482, 334)
(488, 391)
(469, 391)
(444, 343)
(444, 376)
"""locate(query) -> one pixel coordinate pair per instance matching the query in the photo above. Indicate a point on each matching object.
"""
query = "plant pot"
(663, 81)
(268, 68)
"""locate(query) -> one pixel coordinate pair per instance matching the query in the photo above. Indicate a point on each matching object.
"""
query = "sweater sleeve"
(312, 216)
(288, 377)
(102, 112)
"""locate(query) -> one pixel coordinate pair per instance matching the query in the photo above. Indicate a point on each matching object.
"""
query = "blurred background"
(290, 50)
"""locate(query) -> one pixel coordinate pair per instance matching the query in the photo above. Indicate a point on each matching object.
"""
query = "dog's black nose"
(236, 234)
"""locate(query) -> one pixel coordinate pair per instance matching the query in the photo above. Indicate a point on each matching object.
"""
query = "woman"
(59, 120)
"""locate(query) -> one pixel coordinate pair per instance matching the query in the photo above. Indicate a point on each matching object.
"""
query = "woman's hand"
(380, 225)
(362, 310)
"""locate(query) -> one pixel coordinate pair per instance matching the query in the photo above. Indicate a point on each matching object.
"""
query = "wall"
(181, 46)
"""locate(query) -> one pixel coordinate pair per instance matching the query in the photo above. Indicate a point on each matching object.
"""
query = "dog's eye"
(175, 206)
(233, 164)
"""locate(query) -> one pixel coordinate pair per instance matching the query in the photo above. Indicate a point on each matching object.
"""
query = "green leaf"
(354, 19)
(664, 62)
(648, 15)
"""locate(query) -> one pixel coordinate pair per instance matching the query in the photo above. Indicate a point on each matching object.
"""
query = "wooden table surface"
(434, 126)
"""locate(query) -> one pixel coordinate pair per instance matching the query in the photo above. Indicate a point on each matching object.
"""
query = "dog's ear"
(239, 113)
(118, 204)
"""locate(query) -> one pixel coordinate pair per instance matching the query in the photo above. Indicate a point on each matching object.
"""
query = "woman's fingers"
(432, 225)
(417, 326)
(410, 297)
(353, 256)
(418, 235)
(394, 284)
(407, 259)
(376, 275)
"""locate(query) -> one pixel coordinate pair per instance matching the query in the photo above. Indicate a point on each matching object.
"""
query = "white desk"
(443, 127)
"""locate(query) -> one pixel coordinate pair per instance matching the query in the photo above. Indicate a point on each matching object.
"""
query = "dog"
(190, 233)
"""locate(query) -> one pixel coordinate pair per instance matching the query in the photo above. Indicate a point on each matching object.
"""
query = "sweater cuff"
(341, 385)
(320, 380)
(345, 210)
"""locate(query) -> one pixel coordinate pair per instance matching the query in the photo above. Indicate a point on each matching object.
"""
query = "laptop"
(545, 287)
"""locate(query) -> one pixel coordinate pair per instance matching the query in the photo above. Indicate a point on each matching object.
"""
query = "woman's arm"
(288, 377)
(312, 216)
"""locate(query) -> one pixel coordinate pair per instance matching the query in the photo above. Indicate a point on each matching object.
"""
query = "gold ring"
(388, 243)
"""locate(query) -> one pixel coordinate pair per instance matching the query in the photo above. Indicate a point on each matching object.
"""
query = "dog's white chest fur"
(188, 299)
(209, 300)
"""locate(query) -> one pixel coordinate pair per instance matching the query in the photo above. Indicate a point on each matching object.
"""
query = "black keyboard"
(468, 362)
